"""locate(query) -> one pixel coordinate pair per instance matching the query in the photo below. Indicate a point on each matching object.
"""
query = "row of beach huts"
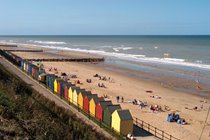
(113, 116)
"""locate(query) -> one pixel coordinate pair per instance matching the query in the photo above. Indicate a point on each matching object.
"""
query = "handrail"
(153, 130)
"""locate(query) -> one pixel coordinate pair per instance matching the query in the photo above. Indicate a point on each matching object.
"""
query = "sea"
(185, 57)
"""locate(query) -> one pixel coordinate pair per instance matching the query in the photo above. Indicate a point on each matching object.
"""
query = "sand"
(135, 88)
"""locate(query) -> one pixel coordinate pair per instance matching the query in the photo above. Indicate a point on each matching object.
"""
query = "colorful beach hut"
(122, 121)
(62, 87)
(101, 105)
(81, 97)
(92, 105)
(24, 66)
(66, 91)
(56, 85)
(107, 115)
(35, 72)
(50, 81)
(70, 92)
(86, 101)
(59, 82)
(30, 69)
(76, 92)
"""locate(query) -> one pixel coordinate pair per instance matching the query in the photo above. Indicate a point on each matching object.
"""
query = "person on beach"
(118, 98)
(122, 100)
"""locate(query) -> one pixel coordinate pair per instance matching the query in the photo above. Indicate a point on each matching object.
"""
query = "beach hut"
(22, 64)
(81, 97)
(27, 67)
(35, 72)
(70, 93)
(101, 105)
(56, 85)
(92, 105)
(76, 92)
(50, 81)
(62, 88)
(30, 69)
(66, 91)
(42, 76)
(86, 101)
(107, 115)
(122, 121)
(59, 82)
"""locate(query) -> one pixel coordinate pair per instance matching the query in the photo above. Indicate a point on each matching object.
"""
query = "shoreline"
(131, 87)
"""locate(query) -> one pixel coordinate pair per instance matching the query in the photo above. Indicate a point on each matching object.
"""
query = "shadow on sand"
(139, 132)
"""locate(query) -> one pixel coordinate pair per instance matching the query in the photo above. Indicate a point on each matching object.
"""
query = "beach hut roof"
(58, 80)
(78, 89)
(124, 114)
(105, 103)
(90, 96)
(112, 108)
(69, 84)
(84, 93)
(96, 99)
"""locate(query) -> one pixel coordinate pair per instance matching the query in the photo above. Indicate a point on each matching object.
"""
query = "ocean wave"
(47, 42)
(117, 49)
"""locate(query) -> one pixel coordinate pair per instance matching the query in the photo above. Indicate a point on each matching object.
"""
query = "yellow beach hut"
(122, 121)
(24, 66)
(70, 93)
(76, 92)
(92, 105)
(81, 97)
(55, 86)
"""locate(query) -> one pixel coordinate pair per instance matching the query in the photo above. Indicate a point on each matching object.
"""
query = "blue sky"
(104, 17)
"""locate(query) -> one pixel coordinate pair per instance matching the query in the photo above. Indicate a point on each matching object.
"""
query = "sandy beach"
(130, 88)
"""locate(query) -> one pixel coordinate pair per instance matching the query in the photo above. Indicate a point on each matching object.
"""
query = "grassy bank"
(24, 113)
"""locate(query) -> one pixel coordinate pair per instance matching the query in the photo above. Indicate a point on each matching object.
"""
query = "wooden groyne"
(7, 45)
(24, 50)
(69, 60)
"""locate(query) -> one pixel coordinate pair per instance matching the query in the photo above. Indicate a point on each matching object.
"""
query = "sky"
(105, 17)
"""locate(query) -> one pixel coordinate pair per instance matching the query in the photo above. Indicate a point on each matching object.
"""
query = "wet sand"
(132, 87)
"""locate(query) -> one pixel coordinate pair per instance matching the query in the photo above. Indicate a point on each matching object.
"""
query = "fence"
(153, 130)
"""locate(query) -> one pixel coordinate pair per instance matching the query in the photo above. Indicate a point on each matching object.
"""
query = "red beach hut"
(86, 101)
(100, 108)
(59, 87)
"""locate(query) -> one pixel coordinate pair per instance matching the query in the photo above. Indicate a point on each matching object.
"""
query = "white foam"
(47, 42)
(117, 49)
